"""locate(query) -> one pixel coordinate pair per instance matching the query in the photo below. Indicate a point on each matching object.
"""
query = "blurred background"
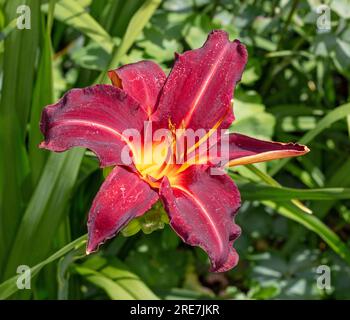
(295, 216)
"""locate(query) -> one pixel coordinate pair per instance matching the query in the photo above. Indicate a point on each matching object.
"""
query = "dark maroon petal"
(245, 150)
(237, 149)
(142, 80)
(122, 197)
(201, 209)
(198, 92)
(94, 118)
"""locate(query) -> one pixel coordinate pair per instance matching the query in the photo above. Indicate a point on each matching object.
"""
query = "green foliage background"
(295, 88)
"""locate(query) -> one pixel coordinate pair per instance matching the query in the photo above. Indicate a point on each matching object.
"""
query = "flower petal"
(245, 150)
(142, 80)
(94, 118)
(198, 92)
(122, 197)
(201, 208)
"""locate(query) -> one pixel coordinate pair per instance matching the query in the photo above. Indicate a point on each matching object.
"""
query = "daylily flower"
(197, 94)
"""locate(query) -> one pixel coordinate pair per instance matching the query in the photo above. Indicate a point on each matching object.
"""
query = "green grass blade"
(262, 192)
(107, 12)
(293, 211)
(334, 116)
(113, 277)
(340, 178)
(12, 25)
(75, 16)
(135, 26)
(9, 287)
(19, 68)
(42, 96)
(314, 224)
(126, 10)
(16, 94)
(45, 209)
(272, 182)
(112, 288)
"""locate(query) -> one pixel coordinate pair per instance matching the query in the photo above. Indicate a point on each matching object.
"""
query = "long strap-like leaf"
(292, 211)
(334, 116)
(9, 287)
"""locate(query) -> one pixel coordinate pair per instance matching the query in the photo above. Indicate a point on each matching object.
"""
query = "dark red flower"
(196, 95)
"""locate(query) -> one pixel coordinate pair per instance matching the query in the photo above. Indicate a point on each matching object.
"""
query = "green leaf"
(294, 211)
(342, 56)
(262, 192)
(9, 287)
(195, 36)
(340, 178)
(124, 11)
(16, 94)
(312, 223)
(252, 72)
(113, 277)
(15, 79)
(334, 116)
(42, 96)
(341, 7)
(157, 46)
(91, 57)
(75, 15)
(45, 209)
(63, 271)
(135, 26)
(8, 29)
(251, 117)
(166, 263)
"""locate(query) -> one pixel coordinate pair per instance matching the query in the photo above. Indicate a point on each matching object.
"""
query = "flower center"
(174, 152)
(156, 161)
